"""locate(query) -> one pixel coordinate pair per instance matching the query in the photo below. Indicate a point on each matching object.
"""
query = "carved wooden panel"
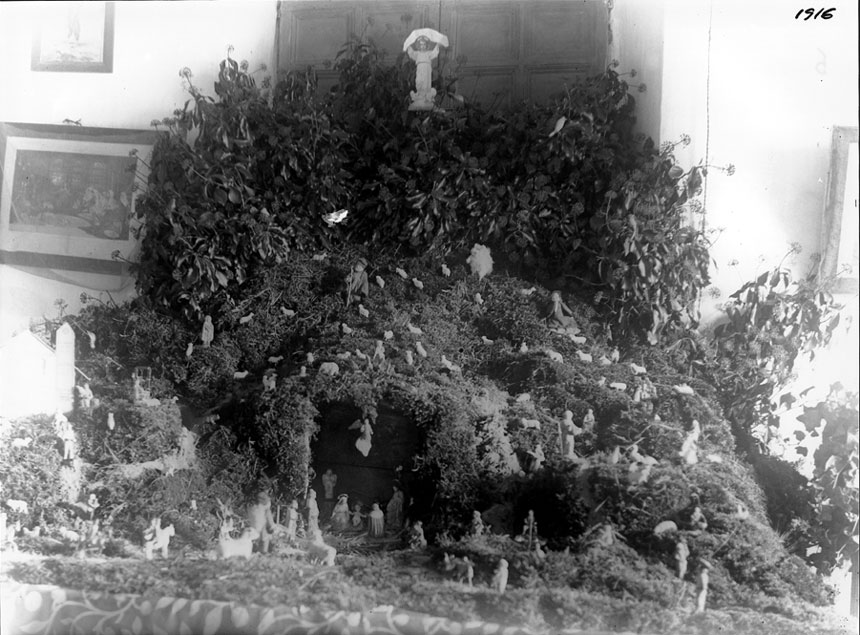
(513, 49)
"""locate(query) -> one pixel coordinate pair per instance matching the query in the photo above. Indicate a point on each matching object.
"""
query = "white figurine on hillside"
(423, 46)
(690, 448)
(157, 537)
(207, 332)
(569, 430)
(500, 576)
(340, 514)
(480, 261)
(377, 521)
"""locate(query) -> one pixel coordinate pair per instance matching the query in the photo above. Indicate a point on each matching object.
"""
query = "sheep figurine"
(480, 261)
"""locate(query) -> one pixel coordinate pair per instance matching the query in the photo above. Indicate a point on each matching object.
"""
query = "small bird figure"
(420, 349)
(486, 340)
(417, 283)
(618, 385)
(524, 348)
(478, 299)
(287, 312)
(604, 361)
(400, 272)
(637, 369)
(530, 424)
(577, 339)
(240, 374)
(414, 329)
(528, 292)
(409, 359)
(614, 355)
(345, 328)
(683, 389)
(189, 349)
(310, 358)
(380, 282)
(524, 397)
(320, 257)
(601, 382)
(388, 335)
(584, 357)
(274, 359)
(336, 217)
(303, 371)
(445, 271)
(362, 311)
(92, 337)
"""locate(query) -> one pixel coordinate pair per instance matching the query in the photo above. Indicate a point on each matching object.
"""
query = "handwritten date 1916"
(824, 14)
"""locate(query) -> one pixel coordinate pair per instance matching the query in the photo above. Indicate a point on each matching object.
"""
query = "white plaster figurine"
(702, 586)
(682, 552)
(422, 46)
(313, 512)
(208, 332)
(480, 261)
(85, 395)
(377, 521)
(463, 568)
(157, 537)
(394, 509)
(329, 481)
(364, 442)
(357, 518)
(356, 282)
(477, 524)
(500, 576)
(259, 516)
(417, 541)
(690, 448)
(340, 514)
(569, 430)
(560, 316)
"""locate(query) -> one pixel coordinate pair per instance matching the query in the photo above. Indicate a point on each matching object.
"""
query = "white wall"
(153, 40)
(777, 86)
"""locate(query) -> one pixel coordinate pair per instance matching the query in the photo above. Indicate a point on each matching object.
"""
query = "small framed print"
(74, 37)
(69, 192)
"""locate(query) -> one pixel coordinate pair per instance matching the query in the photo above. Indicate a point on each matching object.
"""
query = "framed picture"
(69, 193)
(841, 223)
(76, 37)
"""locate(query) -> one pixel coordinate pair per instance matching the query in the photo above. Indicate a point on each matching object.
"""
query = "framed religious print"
(74, 37)
(69, 192)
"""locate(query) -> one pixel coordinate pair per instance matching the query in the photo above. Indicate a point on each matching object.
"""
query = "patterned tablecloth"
(31, 609)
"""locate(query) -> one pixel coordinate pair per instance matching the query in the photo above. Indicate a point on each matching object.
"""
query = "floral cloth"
(30, 609)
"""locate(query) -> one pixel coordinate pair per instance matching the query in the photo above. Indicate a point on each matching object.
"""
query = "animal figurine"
(445, 271)
(319, 551)
(486, 340)
(584, 357)
(604, 361)
(463, 568)
(329, 368)
(555, 356)
(420, 348)
(240, 374)
(288, 312)
(362, 311)
(500, 576)
(637, 369)
(409, 359)
(346, 329)
(417, 283)
(530, 424)
(479, 300)
(274, 359)
(417, 541)
(388, 335)
(413, 329)
(683, 389)
(380, 282)
(524, 348)
(400, 272)
(246, 318)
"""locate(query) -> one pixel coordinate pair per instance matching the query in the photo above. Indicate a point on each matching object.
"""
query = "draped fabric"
(32, 609)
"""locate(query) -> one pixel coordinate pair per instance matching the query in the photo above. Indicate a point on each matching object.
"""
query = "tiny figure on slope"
(538, 457)
(357, 286)
(377, 522)
(689, 451)
(702, 586)
(682, 552)
(313, 512)
(157, 537)
(588, 421)
(270, 380)
(208, 332)
(560, 316)
(340, 514)
(500, 576)
(529, 534)
(463, 568)
(394, 509)
(569, 430)
(259, 517)
(292, 520)
(478, 527)
(417, 541)
(329, 481)
(85, 395)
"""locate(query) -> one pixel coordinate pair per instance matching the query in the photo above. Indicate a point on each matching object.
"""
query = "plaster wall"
(765, 99)
(636, 44)
(153, 40)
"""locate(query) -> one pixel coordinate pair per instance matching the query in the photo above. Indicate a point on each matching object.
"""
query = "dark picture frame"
(840, 236)
(76, 38)
(69, 194)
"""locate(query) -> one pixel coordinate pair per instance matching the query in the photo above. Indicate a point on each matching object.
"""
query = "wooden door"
(507, 50)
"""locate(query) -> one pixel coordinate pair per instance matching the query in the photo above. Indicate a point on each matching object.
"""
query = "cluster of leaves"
(238, 181)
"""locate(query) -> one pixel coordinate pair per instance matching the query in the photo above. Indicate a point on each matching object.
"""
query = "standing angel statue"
(422, 46)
